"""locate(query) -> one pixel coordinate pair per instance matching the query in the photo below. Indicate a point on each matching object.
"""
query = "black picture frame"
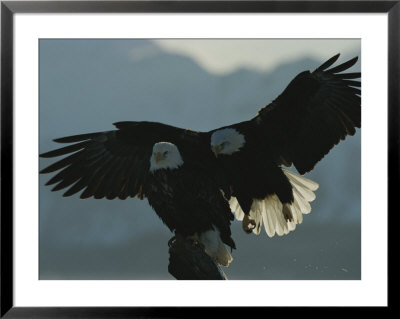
(9, 8)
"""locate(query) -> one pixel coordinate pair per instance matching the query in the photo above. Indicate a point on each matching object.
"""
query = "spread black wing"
(115, 164)
(315, 112)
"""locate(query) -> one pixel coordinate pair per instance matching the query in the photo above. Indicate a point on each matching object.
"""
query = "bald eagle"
(189, 201)
(311, 116)
(243, 160)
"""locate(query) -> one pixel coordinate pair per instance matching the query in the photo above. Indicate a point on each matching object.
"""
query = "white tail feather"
(303, 181)
(270, 209)
(215, 248)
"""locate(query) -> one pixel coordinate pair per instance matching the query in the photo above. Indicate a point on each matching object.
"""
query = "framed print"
(95, 95)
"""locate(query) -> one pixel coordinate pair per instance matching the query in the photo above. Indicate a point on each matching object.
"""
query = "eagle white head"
(226, 141)
(165, 155)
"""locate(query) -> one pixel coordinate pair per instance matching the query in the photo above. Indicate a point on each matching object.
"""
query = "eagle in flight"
(197, 181)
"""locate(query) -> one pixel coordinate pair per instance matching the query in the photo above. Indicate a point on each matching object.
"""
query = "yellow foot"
(248, 224)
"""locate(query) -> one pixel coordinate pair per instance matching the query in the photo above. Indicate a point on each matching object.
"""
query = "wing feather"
(115, 164)
(328, 63)
(315, 112)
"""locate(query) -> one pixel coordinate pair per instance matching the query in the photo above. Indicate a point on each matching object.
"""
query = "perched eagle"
(240, 163)
(189, 201)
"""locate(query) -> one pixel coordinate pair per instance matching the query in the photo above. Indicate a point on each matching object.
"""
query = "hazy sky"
(223, 56)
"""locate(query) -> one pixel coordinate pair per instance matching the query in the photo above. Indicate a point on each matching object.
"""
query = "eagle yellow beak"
(216, 150)
(158, 157)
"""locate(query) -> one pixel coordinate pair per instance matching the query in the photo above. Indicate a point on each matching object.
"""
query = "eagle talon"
(248, 224)
(195, 240)
(198, 244)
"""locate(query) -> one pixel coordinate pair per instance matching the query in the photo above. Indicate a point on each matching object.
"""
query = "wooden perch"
(188, 261)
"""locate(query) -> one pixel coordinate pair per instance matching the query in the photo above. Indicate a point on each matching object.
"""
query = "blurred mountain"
(86, 85)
